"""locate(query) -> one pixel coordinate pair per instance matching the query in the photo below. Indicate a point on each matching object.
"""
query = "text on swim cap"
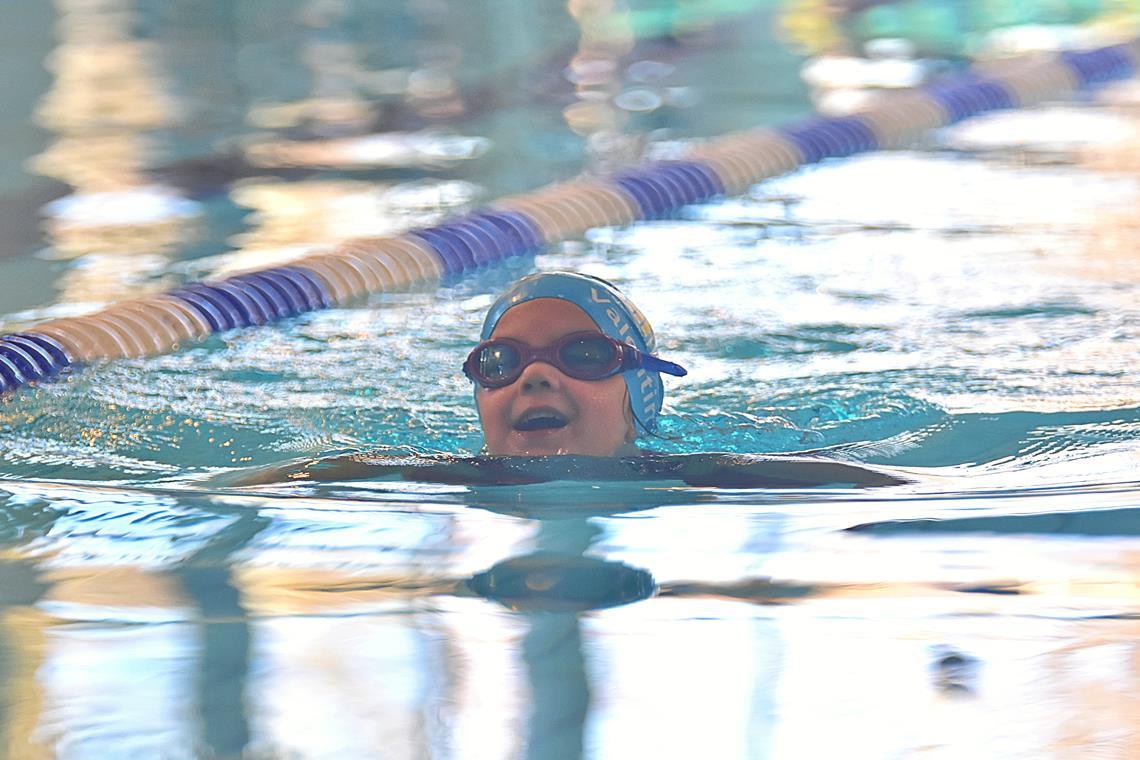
(647, 381)
(620, 324)
(648, 400)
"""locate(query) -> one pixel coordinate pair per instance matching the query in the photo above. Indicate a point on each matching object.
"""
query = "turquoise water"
(966, 312)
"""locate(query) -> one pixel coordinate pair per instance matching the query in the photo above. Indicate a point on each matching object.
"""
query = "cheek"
(490, 406)
(603, 402)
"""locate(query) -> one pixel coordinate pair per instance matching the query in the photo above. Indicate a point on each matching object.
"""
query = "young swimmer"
(566, 366)
(565, 379)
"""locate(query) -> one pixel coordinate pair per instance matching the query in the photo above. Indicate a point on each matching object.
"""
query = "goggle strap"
(650, 362)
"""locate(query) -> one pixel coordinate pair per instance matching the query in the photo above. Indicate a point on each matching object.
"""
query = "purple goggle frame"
(499, 362)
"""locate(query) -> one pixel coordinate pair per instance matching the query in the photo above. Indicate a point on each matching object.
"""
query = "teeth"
(540, 421)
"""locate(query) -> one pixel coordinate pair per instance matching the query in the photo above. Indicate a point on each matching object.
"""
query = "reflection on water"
(107, 104)
(553, 582)
(291, 626)
(288, 219)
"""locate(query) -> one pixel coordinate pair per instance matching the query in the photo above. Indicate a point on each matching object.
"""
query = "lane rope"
(523, 224)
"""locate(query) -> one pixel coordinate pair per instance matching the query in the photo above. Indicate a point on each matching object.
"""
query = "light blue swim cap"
(613, 313)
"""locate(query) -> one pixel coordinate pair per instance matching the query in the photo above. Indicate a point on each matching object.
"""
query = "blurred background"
(142, 138)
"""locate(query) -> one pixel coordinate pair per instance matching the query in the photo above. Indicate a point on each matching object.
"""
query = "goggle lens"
(496, 362)
(589, 356)
(584, 356)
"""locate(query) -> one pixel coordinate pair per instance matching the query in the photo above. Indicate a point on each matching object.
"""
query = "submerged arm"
(753, 471)
(343, 467)
(716, 470)
(364, 466)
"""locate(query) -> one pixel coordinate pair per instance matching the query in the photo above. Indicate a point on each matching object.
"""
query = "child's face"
(597, 417)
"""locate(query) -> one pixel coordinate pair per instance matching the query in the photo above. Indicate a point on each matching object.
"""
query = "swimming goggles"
(583, 355)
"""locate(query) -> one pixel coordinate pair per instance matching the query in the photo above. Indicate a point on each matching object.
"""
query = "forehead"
(542, 321)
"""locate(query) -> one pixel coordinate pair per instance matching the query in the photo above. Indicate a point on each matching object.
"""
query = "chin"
(518, 446)
(551, 443)
(563, 449)
(542, 449)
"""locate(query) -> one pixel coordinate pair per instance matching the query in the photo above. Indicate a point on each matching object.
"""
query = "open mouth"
(540, 419)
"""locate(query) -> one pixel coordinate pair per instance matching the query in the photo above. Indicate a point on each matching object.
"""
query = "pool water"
(967, 312)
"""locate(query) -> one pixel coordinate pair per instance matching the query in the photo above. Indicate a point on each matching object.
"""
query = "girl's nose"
(539, 376)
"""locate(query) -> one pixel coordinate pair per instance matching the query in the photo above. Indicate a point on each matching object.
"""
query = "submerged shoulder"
(716, 470)
(720, 470)
(778, 471)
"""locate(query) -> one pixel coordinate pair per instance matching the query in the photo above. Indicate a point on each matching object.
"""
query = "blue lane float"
(485, 249)
(218, 311)
(651, 202)
(701, 181)
(971, 97)
(26, 358)
(281, 300)
(663, 188)
(821, 138)
(456, 259)
(10, 375)
(60, 357)
(495, 245)
(525, 224)
(285, 296)
(24, 362)
(217, 314)
(315, 292)
(43, 357)
(519, 234)
(1099, 66)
